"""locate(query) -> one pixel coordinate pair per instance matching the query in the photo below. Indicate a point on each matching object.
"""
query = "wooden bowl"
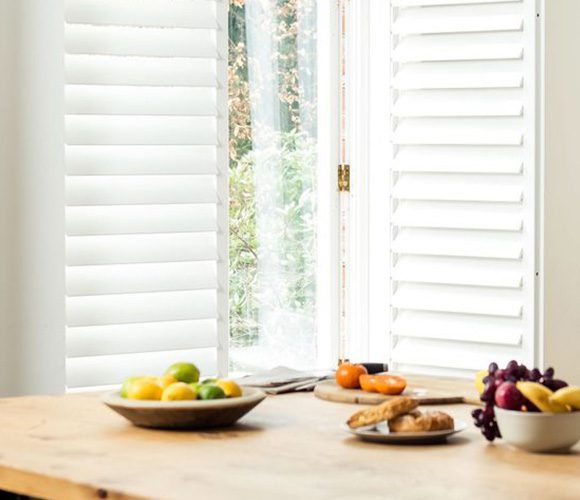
(196, 414)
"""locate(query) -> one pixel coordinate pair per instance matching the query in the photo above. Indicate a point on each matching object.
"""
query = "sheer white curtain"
(282, 75)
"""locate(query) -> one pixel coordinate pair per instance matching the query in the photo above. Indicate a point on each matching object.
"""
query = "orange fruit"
(390, 384)
(347, 375)
(367, 383)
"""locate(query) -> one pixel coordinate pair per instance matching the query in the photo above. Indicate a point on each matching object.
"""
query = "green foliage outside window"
(279, 175)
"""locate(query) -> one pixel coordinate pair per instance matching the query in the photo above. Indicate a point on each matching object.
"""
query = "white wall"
(561, 326)
(31, 197)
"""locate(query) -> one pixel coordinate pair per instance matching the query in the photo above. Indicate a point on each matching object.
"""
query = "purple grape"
(512, 367)
(523, 372)
(554, 384)
(492, 368)
(531, 407)
(476, 413)
(500, 374)
(535, 375)
(549, 373)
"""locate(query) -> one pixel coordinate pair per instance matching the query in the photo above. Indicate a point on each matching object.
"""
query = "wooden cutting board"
(428, 391)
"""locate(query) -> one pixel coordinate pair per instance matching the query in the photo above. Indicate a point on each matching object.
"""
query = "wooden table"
(290, 446)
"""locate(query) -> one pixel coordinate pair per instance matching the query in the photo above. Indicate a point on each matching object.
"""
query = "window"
(275, 184)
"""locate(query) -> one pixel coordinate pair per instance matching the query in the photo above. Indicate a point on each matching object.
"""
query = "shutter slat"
(465, 47)
(125, 70)
(146, 337)
(452, 103)
(140, 160)
(448, 271)
(415, 3)
(141, 308)
(458, 327)
(459, 75)
(463, 300)
(108, 370)
(87, 221)
(153, 13)
(459, 19)
(450, 355)
(138, 41)
(140, 190)
(137, 130)
(496, 245)
(461, 131)
(140, 278)
(470, 159)
(457, 216)
(140, 248)
(126, 100)
(450, 187)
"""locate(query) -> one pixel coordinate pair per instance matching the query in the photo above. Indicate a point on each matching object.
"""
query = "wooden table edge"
(38, 485)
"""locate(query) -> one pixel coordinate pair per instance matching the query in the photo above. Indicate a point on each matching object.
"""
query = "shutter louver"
(146, 187)
(462, 204)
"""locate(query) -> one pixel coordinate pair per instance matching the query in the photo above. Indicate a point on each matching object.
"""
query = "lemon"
(165, 381)
(184, 372)
(144, 388)
(479, 376)
(231, 389)
(180, 391)
(210, 391)
(130, 380)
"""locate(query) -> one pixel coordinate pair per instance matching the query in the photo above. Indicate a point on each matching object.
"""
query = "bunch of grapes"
(500, 389)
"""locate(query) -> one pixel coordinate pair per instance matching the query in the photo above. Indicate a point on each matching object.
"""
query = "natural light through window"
(273, 183)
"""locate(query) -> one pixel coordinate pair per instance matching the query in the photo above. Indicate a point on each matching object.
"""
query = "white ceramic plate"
(380, 434)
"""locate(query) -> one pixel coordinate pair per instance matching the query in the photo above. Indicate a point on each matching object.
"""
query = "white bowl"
(539, 432)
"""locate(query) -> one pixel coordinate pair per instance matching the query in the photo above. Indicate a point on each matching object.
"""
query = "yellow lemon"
(165, 381)
(144, 389)
(179, 391)
(231, 389)
(130, 380)
(479, 376)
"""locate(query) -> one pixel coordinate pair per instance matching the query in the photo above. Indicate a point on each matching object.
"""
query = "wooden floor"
(289, 447)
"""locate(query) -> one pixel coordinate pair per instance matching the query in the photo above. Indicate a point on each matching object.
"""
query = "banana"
(479, 376)
(568, 396)
(540, 396)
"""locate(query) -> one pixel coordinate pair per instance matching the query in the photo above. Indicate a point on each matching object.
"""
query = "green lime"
(209, 381)
(210, 391)
(195, 386)
(184, 372)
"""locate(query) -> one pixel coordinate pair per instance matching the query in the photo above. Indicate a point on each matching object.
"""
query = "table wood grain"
(291, 446)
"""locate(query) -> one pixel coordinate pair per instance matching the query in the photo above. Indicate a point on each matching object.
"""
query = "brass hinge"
(344, 177)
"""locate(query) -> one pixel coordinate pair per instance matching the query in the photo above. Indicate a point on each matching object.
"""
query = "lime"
(184, 372)
(209, 380)
(144, 389)
(210, 391)
(230, 388)
(179, 391)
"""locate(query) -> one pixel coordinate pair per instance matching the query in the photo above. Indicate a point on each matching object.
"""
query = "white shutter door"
(146, 187)
(462, 174)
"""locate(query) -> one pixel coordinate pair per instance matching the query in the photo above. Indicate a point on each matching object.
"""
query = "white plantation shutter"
(146, 187)
(462, 183)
